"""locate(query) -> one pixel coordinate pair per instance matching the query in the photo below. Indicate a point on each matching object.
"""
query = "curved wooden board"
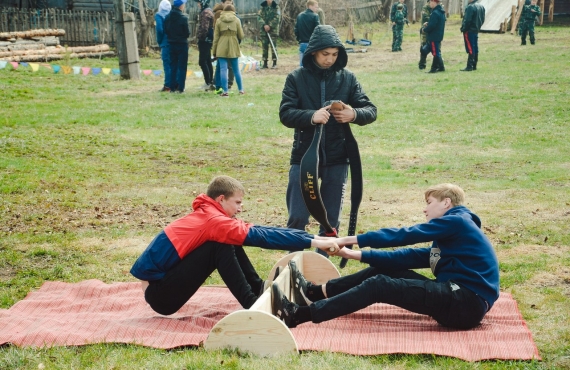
(253, 331)
(315, 267)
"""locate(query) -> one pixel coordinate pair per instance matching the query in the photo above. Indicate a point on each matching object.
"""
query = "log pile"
(43, 45)
(48, 53)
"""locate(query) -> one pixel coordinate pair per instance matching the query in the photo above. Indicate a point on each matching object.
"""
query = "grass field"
(92, 167)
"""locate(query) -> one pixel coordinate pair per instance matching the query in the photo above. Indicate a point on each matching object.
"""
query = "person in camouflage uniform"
(528, 17)
(398, 28)
(426, 12)
(268, 17)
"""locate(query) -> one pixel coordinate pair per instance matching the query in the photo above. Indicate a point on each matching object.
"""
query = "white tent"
(496, 11)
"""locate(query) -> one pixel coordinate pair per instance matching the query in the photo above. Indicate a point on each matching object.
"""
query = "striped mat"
(63, 314)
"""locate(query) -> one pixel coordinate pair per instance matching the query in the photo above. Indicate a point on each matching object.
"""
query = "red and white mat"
(63, 314)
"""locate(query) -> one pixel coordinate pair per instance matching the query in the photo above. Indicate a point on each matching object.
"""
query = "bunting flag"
(246, 64)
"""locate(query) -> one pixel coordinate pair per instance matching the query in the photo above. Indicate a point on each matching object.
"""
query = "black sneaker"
(282, 308)
(298, 285)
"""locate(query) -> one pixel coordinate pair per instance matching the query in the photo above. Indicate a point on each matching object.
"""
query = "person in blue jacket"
(162, 41)
(461, 258)
(434, 29)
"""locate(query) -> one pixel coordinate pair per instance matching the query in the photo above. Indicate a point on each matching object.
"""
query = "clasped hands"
(344, 115)
(334, 246)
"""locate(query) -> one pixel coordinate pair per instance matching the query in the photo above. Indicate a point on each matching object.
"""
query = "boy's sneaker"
(282, 308)
(298, 285)
(219, 90)
(211, 88)
(225, 95)
(164, 89)
(242, 92)
(204, 87)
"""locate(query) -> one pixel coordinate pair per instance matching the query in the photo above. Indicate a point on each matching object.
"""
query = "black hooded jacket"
(436, 25)
(301, 98)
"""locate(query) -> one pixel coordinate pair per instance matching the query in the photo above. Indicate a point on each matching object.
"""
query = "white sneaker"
(204, 87)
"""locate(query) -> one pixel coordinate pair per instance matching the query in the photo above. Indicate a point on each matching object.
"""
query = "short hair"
(224, 185)
(442, 191)
(227, 1)
(229, 8)
(311, 3)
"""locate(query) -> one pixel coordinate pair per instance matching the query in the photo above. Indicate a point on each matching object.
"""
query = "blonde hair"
(224, 185)
(311, 3)
(442, 191)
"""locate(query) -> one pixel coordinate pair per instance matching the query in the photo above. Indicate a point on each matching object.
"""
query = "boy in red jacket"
(187, 251)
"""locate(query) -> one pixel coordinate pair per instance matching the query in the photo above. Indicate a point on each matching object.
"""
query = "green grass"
(92, 167)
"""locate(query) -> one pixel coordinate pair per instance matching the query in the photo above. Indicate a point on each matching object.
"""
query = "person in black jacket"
(305, 103)
(434, 30)
(177, 32)
(305, 25)
(472, 21)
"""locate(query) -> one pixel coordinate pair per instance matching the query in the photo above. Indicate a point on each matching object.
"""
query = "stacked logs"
(43, 45)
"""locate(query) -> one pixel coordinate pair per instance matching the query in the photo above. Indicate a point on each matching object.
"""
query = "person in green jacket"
(227, 35)
(398, 28)
(268, 17)
(528, 17)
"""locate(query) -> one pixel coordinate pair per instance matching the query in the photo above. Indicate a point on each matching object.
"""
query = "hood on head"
(323, 37)
(164, 8)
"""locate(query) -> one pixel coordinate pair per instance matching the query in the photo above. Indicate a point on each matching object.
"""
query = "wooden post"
(517, 16)
(513, 13)
(126, 42)
(541, 2)
(551, 11)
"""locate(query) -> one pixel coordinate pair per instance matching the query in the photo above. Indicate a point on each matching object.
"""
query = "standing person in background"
(528, 17)
(227, 36)
(177, 31)
(163, 10)
(398, 28)
(306, 100)
(268, 16)
(434, 29)
(205, 38)
(306, 23)
(218, 9)
(394, 9)
(426, 13)
(321, 15)
(472, 21)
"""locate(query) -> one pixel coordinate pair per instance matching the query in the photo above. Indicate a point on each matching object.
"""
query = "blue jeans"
(432, 47)
(302, 48)
(224, 72)
(333, 186)
(218, 78)
(165, 55)
(448, 303)
(178, 66)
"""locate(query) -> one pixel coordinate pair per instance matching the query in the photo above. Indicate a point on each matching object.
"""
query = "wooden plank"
(517, 16)
(541, 3)
(551, 11)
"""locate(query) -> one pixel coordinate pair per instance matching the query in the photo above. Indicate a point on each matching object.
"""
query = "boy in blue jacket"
(434, 29)
(462, 259)
(188, 250)
(163, 10)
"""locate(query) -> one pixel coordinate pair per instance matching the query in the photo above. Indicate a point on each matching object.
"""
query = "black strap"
(310, 177)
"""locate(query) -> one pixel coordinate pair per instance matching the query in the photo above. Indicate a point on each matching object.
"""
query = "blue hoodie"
(163, 10)
(460, 251)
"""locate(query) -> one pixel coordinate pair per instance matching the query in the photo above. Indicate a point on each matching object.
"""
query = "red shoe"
(242, 92)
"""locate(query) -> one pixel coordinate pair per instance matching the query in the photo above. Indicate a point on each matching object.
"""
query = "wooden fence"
(81, 27)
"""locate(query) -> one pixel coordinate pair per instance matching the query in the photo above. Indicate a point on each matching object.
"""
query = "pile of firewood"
(43, 45)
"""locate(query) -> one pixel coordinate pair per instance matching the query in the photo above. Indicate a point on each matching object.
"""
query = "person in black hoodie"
(434, 30)
(177, 32)
(306, 101)
(472, 21)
